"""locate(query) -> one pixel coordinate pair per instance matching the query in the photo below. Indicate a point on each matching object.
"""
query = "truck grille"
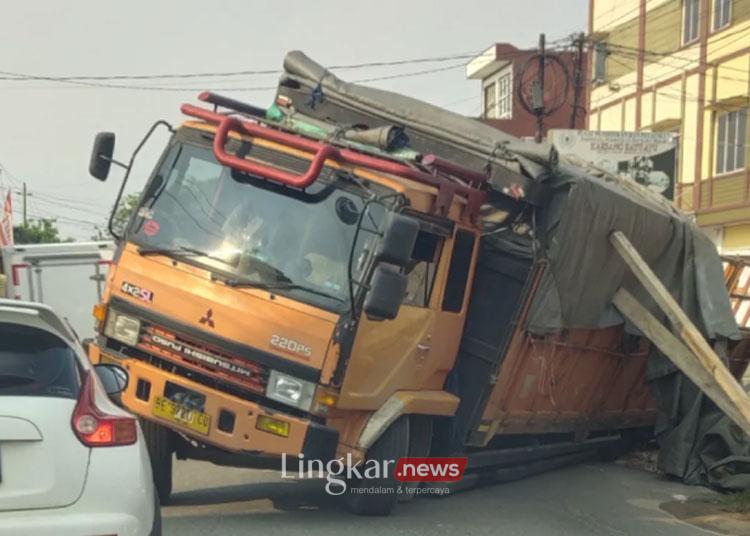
(202, 358)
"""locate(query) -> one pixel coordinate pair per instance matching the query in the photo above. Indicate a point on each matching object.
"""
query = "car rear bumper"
(118, 498)
(62, 522)
(147, 382)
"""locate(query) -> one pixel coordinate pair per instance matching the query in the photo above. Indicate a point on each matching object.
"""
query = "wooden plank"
(678, 353)
(684, 328)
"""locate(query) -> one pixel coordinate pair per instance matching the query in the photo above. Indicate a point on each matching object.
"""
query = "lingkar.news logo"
(340, 472)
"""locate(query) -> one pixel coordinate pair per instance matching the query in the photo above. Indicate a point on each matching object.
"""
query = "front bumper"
(147, 382)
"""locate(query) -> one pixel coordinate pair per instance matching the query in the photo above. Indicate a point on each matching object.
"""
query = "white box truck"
(68, 277)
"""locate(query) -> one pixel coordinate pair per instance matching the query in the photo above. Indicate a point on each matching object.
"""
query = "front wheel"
(386, 451)
(160, 447)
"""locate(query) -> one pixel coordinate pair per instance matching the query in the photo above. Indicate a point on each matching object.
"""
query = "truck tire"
(392, 445)
(156, 525)
(160, 449)
(420, 442)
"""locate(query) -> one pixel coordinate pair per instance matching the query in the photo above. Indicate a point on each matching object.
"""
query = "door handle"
(423, 347)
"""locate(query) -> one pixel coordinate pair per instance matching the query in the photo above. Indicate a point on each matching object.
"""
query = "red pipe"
(324, 151)
(452, 168)
(321, 151)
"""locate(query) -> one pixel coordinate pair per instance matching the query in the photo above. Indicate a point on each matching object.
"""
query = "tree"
(124, 210)
(42, 231)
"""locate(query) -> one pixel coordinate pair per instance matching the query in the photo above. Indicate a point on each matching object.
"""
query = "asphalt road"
(590, 499)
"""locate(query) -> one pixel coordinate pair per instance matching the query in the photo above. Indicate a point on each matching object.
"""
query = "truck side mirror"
(101, 155)
(398, 239)
(387, 290)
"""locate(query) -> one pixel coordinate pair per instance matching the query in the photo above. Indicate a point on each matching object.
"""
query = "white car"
(71, 461)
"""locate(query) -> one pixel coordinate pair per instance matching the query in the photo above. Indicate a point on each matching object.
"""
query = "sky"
(47, 126)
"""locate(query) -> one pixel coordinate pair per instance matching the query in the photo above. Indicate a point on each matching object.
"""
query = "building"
(501, 66)
(682, 66)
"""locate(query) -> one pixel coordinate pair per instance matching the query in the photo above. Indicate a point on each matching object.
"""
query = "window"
(34, 362)
(489, 100)
(458, 273)
(421, 270)
(690, 20)
(731, 147)
(498, 97)
(722, 13)
(504, 97)
(257, 233)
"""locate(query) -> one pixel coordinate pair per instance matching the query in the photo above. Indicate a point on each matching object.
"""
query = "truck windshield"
(249, 232)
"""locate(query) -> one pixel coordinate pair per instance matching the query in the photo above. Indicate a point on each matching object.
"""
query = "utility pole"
(577, 79)
(24, 204)
(538, 92)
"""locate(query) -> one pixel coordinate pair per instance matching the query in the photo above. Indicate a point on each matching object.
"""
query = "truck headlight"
(125, 329)
(290, 390)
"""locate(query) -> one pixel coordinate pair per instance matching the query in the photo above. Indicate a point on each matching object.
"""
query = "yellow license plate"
(179, 414)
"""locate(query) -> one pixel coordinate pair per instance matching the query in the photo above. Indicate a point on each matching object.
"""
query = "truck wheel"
(159, 444)
(420, 442)
(156, 525)
(392, 445)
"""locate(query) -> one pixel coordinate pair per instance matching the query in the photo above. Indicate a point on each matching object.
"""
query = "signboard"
(649, 158)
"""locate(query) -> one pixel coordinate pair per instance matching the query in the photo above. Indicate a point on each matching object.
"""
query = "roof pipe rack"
(322, 152)
(446, 166)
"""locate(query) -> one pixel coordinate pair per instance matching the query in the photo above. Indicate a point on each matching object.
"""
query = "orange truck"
(283, 294)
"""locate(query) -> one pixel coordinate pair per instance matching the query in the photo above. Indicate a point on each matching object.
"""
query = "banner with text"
(649, 158)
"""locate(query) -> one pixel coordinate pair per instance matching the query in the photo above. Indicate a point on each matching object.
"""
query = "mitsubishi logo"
(208, 318)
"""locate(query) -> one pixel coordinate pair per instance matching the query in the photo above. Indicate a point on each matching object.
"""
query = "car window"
(34, 362)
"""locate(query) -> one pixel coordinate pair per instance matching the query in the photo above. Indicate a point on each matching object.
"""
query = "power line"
(407, 75)
(36, 198)
(684, 66)
(86, 84)
(79, 202)
(255, 88)
(459, 101)
(224, 74)
(672, 55)
(37, 215)
(650, 20)
(94, 81)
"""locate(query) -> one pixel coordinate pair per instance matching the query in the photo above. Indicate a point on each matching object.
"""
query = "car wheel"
(160, 450)
(392, 445)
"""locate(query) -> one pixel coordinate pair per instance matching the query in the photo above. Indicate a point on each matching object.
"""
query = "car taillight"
(94, 428)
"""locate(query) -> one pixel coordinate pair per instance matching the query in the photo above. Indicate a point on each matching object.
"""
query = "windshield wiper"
(144, 251)
(311, 290)
(262, 267)
(283, 282)
(13, 380)
(181, 250)
(281, 286)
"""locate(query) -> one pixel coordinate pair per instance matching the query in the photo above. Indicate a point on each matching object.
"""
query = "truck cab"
(276, 297)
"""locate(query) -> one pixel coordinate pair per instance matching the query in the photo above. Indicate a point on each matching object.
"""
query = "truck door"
(452, 301)
(415, 350)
